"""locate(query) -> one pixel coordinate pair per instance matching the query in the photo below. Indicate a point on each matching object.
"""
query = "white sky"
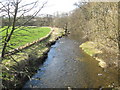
(65, 5)
(59, 5)
(53, 6)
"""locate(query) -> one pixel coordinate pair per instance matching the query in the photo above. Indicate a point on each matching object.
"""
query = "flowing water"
(68, 66)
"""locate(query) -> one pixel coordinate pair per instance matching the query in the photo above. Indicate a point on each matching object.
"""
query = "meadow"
(24, 35)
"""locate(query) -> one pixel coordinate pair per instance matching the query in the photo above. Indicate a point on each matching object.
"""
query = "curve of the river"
(68, 66)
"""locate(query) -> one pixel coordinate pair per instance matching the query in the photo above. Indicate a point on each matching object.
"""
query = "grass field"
(25, 35)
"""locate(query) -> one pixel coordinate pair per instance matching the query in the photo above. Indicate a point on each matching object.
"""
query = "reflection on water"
(67, 65)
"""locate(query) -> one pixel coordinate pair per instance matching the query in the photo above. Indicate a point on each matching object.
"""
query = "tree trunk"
(11, 33)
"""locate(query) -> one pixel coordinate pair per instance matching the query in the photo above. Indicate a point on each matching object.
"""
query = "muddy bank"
(15, 73)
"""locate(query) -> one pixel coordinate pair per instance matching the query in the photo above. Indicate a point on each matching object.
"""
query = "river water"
(68, 66)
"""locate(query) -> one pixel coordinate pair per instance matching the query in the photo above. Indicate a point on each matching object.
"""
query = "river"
(68, 66)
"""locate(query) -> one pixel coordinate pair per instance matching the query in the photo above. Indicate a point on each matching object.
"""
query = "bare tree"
(80, 4)
(15, 15)
(14, 11)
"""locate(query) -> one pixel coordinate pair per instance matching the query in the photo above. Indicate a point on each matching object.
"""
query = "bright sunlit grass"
(25, 35)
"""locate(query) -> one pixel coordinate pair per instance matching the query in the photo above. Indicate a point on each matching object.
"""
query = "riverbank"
(106, 57)
(90, 48)
(15, 73)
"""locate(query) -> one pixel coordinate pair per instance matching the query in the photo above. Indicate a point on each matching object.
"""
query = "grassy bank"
(23, 65)
(105, 59)
(91, 49)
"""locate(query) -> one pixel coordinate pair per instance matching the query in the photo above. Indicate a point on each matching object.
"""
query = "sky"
(54, 6)
(59, 5)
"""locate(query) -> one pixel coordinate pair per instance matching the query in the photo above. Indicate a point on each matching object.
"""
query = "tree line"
(97, 21)
(44, 20)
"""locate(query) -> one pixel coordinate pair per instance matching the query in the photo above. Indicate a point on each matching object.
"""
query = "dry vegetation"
(96, 22)
(99, 23)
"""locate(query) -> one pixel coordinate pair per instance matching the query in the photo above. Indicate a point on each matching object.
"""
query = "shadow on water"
(67, 65)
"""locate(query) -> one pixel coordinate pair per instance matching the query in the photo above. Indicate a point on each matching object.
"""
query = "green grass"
(90, 48)
(25, 35)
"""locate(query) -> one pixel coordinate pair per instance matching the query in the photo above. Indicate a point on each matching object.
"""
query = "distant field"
(25, 35)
